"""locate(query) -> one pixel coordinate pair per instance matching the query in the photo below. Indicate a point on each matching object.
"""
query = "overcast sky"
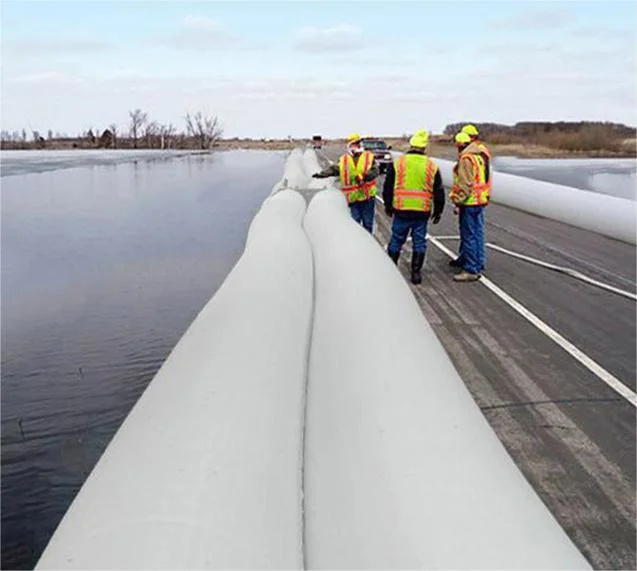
(272, 69)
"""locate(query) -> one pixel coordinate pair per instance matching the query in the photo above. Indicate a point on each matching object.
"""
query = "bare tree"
(137, 120)
(151, 129)
(166, 133)
(49, 135)
(206, 130)
(113, 129)
(38, 139)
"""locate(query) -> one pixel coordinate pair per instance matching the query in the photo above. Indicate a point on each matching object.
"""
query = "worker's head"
(471, 130)
(419, 140)
(354, 145)
(462, 140)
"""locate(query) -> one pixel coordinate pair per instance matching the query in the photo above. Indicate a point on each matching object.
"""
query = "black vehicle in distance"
(381, 151)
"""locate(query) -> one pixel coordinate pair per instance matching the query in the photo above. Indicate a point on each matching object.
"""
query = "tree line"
(201, 132)
(565, 135)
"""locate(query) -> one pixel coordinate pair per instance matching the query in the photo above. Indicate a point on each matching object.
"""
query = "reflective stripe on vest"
(355, 192)
(414, 183)
(480, 189)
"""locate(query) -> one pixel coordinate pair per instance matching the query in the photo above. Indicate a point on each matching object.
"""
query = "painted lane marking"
(612, 381)
(567, 271)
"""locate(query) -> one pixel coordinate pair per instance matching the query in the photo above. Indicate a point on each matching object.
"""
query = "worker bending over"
(413, 187)
(358, 171)
(470, 194)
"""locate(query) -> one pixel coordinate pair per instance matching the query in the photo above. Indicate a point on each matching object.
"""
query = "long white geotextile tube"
(608, 215)
(295, 171)
(402, 469)
(206, 470)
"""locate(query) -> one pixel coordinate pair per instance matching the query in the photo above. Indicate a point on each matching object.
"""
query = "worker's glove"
(316, 175)
(435, 219)
(456, 210)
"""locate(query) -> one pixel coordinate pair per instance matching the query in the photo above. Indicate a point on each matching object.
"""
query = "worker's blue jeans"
(471, 253)
(400, 230)
(363, 213)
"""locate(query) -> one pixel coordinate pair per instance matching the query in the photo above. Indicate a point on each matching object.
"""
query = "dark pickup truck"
(381, 151)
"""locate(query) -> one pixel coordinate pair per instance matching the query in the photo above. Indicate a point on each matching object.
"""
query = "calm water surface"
(103, 269)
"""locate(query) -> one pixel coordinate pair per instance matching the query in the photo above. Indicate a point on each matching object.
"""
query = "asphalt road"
(570, 433)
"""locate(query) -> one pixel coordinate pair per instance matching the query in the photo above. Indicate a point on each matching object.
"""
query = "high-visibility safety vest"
(355, 191)
(414, 183)
(481, 188)
(486, 151)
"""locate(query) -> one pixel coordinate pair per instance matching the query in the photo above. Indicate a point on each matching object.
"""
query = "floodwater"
(104, 266)
(613, 177)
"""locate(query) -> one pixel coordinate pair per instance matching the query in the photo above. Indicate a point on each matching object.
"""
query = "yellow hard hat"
(470, 130)
(353, 138)
(462, 138)
(420, 139)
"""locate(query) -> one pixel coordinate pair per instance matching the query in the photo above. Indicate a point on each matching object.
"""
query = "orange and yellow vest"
(414, 183)
(349, 170)
(481, 187)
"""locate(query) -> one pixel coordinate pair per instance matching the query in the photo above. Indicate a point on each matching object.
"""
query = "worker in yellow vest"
(413, 195)
(357, 171)
(470, 193)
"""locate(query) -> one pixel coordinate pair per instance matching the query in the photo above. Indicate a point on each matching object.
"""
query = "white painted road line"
(612, 381)
(568, 271)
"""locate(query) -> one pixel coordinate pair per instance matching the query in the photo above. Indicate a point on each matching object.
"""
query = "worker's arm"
(465, 179)
(332, 170)
(372, 173)
(439, 198)
(388, 188)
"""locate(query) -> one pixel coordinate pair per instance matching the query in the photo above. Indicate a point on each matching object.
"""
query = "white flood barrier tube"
(402, 469)
(294, 173)
(311, 163)
(206, 470)
(607, 215)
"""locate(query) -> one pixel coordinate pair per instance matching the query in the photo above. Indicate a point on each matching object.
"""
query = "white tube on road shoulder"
(608, 215)
(402, 469)
(206, 470)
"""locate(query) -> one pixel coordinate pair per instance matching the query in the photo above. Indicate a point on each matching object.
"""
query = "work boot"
(465, 276)
(394, 256)
(455, 263)
(417, 261)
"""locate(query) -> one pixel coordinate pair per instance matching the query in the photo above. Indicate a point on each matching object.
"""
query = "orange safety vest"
(414, 183)
(481, 188)
(355, 192)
